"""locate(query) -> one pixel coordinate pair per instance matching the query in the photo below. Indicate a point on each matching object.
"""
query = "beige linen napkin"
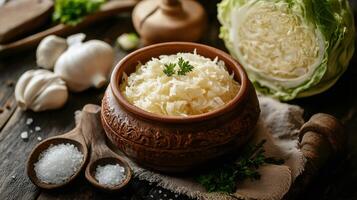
(279, 124)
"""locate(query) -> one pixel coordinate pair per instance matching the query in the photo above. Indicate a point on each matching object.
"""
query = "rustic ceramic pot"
(175, 143)
(169, 20)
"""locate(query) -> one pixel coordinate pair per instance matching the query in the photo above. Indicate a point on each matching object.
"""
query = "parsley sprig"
(225, 178)
(169, 69)
(184, 68)
(73, 11)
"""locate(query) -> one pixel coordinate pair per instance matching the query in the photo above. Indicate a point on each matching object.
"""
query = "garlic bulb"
(86, 64)
(40, 90)
(48, 51)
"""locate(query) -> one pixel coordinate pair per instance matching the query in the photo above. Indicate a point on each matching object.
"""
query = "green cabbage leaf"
(289, 48)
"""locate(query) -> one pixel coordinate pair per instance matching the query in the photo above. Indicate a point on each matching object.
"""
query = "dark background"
(338, 180)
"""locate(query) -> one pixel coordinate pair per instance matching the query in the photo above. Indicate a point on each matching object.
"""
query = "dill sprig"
(225, 178)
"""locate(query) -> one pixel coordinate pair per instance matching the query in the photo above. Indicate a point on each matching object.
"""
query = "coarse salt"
(24, 135)
(110, 174)
(39, 138)
(58, 163)
(29, 121)
(37, 128)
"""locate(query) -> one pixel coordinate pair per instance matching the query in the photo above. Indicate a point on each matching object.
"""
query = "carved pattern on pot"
(144, 133)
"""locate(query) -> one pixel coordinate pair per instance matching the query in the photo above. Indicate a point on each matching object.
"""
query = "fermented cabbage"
(207, 87)
(289, 48)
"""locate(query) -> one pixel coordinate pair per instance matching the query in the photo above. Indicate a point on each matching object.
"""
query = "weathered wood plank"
(14, 151)
(10, 70)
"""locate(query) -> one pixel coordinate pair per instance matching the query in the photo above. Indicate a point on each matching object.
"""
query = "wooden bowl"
(175, 143)
(104, 161)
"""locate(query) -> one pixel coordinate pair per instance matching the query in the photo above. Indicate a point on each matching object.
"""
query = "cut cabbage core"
(274, 41)
(207, 87)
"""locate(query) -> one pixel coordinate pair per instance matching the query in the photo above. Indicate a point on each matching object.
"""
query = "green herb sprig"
(225, 178)
(72, 12)
(185, 67)
(169, 69)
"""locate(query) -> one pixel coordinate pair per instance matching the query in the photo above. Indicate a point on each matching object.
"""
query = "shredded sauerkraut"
(207, 87)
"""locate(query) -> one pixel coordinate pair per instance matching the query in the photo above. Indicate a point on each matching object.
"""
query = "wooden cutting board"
(108, 9)
(23, 16)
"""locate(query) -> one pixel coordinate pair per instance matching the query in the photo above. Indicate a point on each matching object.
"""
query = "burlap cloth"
(279, 124)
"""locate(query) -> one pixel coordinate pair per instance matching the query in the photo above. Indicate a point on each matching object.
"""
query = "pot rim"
(115, 81)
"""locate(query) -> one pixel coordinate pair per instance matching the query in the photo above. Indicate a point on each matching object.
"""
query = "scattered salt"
(24, 135)
(29, 121)
(13, 176)
(58, 163)
(31, 131)
(37, 128)
(39, 138)
(110, 174)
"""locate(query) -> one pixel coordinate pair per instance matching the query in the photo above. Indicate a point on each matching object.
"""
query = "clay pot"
(175, 143)
(169, 20)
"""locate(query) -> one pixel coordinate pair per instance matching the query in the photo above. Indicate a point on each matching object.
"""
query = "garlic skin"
(40, 90)
(85, 65)
(49, 50)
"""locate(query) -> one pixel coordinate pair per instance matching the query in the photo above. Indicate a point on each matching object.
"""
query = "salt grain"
(37, 128)
(29, 121)
(39, 138)
(31, 131)
(24, 135)
(58, 163)
(110, 174)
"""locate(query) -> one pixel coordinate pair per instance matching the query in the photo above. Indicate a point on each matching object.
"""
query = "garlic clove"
(20, 87)
(54, 96)
(34, 87)
(49, 50)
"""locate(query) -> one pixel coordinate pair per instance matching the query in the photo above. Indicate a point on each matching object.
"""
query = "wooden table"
(336, 181)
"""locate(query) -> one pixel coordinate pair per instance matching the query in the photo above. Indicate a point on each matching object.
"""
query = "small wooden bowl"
(175, 143)
(105, 161)
(41, 147)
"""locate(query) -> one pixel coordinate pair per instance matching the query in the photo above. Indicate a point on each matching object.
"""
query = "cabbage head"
(289, 48)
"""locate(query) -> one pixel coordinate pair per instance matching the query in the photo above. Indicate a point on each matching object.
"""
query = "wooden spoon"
(74, 137)
(100, 153)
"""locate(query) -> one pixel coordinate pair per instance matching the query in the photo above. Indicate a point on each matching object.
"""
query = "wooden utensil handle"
(321, 138)
(90, 124)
